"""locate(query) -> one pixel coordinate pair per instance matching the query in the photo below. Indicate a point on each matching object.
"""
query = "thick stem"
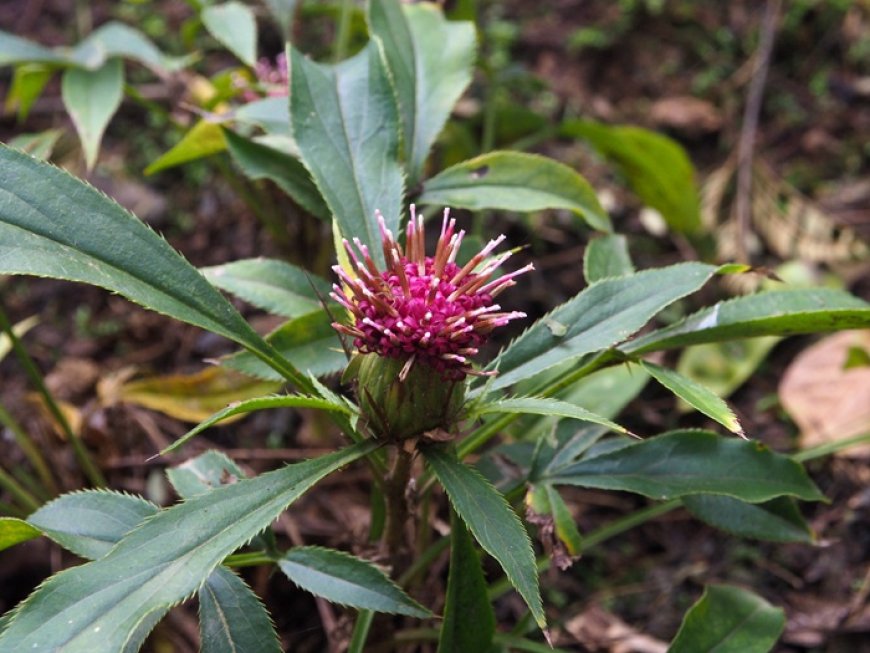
(395, 534)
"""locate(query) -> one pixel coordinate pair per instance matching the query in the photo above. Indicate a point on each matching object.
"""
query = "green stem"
(8, 483)
(29, 448)
(342, 37)
(397, 506)
(251, 559)
(361, 631)
(829, 448)
(9, 510)
(88, 467)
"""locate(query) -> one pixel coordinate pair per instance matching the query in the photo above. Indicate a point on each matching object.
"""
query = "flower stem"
(397, 505)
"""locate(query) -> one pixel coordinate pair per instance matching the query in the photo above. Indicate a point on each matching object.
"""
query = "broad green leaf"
(78, 234)
(39, 146)
(778, 520)
(270, 284)
(252, 405)
(232, 619)
(261, 162)
(493, 523)
(345, 122)
(469, 621)
(28, 81)
(515, 181)
(601, 316)
(16, 50)
(606, 256)
(696, 395)
(14, 531)
(89, 523)
(344, 579)
(773, 313)
(203, 473)
(544, 406)
(283, 11)
(99, 605)
(114, 39)
(431, 61)
(308, 342)
(91, 99)
(271, 114)
(656, 167)
(204, 139)
(729, 620)
(234, 26)
(681, 463)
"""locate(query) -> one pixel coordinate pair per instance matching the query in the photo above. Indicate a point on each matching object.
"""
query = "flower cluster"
(424, 309)
(272, 79)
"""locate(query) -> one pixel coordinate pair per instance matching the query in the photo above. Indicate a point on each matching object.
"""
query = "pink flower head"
(424, 309)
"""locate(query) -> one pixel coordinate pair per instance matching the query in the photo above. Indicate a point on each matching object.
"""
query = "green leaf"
(232, 619)
(14, 531)
(346, 125)
(39, 146)
(515, 181)
(204, 139)
(493, 523)
(656, 167)
(16, 50)
(778, 520)
(233, 25)
(28, 81)
(544, 406)
(774, 313)
(696, 395)
(91, 522)
(681, 463)
(99, 605)
(91, 98)
(203, 473)
(469, 621)
(270, 284)
(729, 620)
(601, 316)
(606, 256)
(563, 521)
(271, 114)
(114, 39)
(78, 234)
(252, 405)
(283, 11)
(262, 162)
(431, 62)
(344, 579)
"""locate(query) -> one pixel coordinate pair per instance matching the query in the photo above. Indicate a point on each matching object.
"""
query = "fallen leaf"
(598, 630)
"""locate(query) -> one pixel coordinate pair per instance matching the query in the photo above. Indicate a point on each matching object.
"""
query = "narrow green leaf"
(729, 620)
(234, 26)
(91, 522)
(774, 313)
(493, 523)
(346, 124)
(563, 520)
(543, 406)
(28, 82)
(261, 162)
(283, 11)
(252, 405)
(681, 463)
(271, 114)
(204, 139)
(606, 256)
(431, 62)
(515, 181)
(91, 98)
(778, 520)
(696, 395)
(656, 167)
(14, 531)
(16, 50)
(270, 284)
(344, 579)
(601, 316)
(469, 621)
(232, 619)
(203, 474)
(114, 39)
(99, 605)
(39, 146)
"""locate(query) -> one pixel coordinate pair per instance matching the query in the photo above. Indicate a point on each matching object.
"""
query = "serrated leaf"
(729, 620)
(493, 523)
(606, 256)
(203, 473)
(469, 621)
(204, 139)
(91, 98)
(431, 62)
(270, 284)
(515, 181)
(15, 531)
(656, 167)
(682, 463)
(232, 619)
(39, 146)
(778, 520)
(344, 579)
(234, 26)
(544, 406)
(98, 605)
(601, 316)
(783, 312)
(696, 395)
(345, 122)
